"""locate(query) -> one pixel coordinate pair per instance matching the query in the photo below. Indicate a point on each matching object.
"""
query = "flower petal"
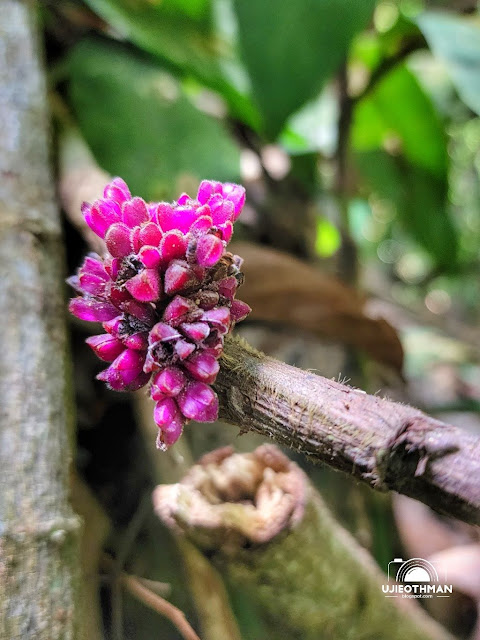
(92, 310)
(199, 402)
(146, 286)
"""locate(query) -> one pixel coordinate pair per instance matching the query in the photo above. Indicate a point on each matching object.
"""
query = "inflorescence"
(165, 295)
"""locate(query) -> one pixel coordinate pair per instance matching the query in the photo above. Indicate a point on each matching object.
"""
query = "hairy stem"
(388, 445)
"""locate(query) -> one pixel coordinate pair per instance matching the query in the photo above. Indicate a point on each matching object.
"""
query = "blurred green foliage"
(167, 92)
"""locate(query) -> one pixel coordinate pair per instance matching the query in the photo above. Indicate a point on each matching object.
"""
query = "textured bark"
(383, 443)
(38, 530)
(262, 523)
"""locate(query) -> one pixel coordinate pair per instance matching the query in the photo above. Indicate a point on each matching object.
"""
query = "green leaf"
(167, 30)
(141, 127)
(291, 48)
(399, 112)
(456, 40)
(328, 238)
(420, 199)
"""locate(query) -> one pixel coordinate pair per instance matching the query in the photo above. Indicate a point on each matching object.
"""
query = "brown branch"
(39, 559)
(389, 446)
(136, 587)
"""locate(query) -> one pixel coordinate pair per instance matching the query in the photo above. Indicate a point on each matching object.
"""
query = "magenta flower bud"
(117, 240)
(150, 256)
(235, 193)
(93, 264)
(134, 212)
(117, 190)
(219, 317)
(112, 266)
(178, 277)
(162, 332)
(105, 346)
(142, 312)
(207, 189)
(227, 287)
(125, 371)
(239, 310)
(227, 231)
(130, 360)
(203, 367)
(150, 234)
(178, 218)
(214, 347)
(199, 402)
(183, 199)
(92, 310)
(168, 382)
(165, 411)
(135, 239)
(202, 224)
(179, 309)
(113, 327)
(121, 381)
(156, 251)
(183, 349)
(222, 210)
(101, 215)
(170, 433)
(145, 286)
(196, 331)
(173, 245)
(89, 283)
(162, 212)
(209, 250)
(137, 341)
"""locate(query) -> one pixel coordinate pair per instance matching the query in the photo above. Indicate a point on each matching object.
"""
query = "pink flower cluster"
(165, 295)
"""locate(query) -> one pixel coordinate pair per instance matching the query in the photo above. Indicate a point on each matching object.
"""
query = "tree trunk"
(38, 529)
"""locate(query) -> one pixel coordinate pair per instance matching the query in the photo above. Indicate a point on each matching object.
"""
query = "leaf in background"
(291, 48)
(140, 126)
(166, 29)
(420, 199)
(398, 109)
(456, 40)
(328, 238)
(284, 290)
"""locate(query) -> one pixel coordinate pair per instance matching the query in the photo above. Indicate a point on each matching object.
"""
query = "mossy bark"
(316, 583)
(293, 572)
(38, 530)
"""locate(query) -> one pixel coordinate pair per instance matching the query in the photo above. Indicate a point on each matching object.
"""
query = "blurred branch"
(347, 103)
(389, 446)
(387, 64)
(259, 519)
(39, 559)
(139, 590)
